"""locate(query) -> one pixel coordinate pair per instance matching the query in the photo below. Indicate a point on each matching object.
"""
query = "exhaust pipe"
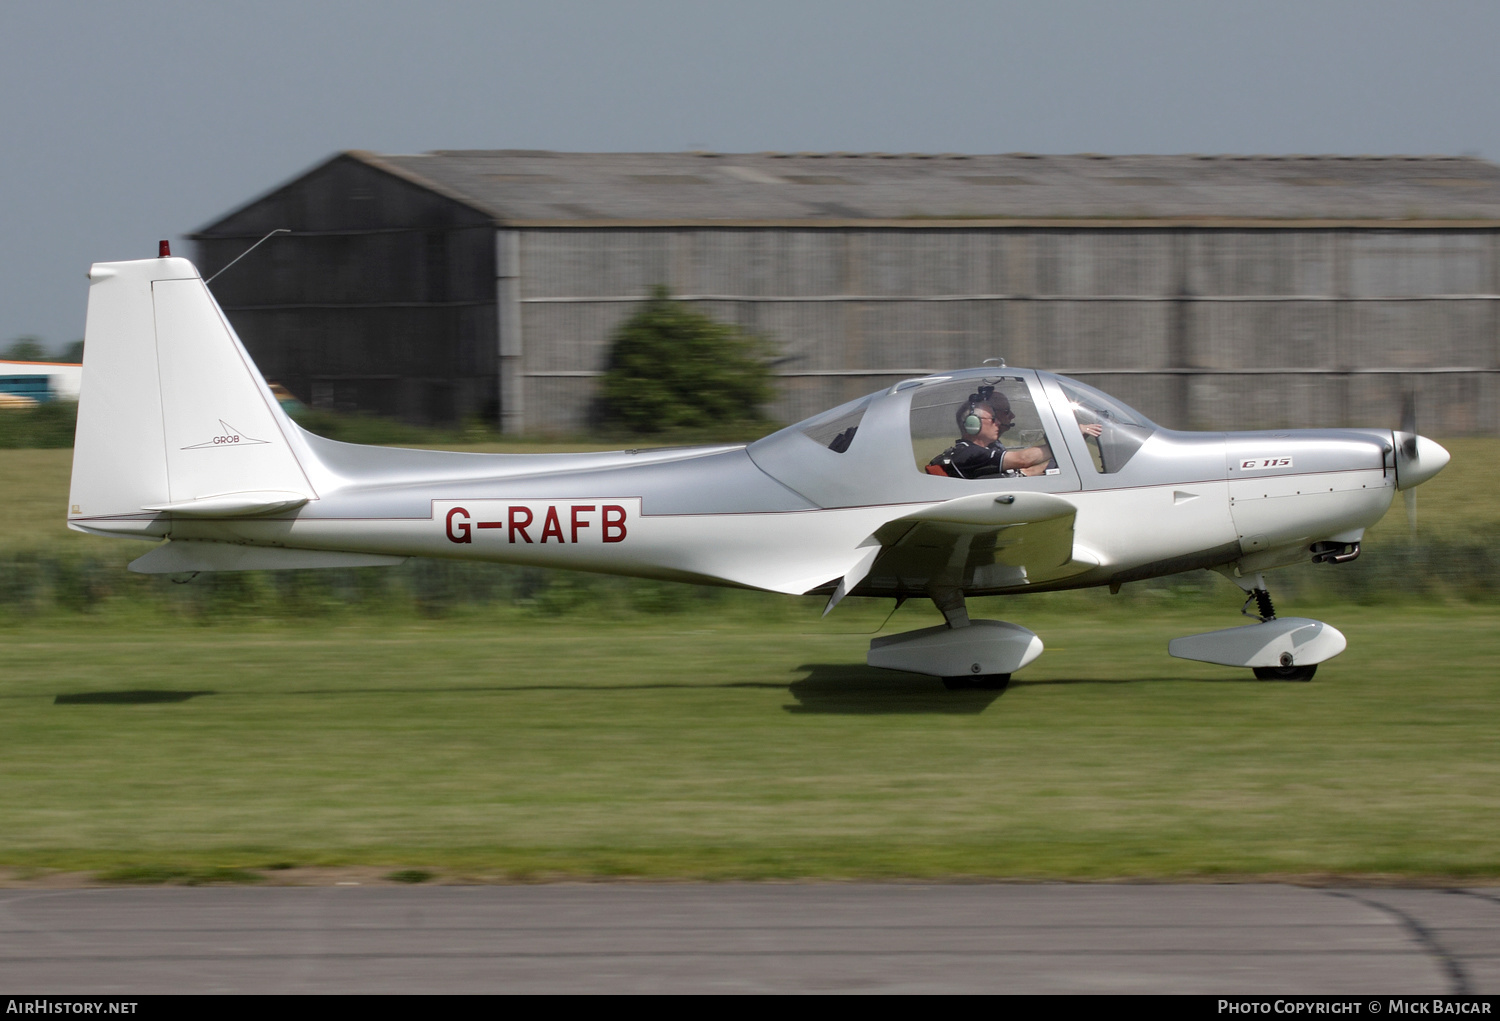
(1334, 552)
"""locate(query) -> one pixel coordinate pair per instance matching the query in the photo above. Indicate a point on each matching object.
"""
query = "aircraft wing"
(974, 543)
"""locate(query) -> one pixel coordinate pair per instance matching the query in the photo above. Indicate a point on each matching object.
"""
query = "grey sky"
(122, 123)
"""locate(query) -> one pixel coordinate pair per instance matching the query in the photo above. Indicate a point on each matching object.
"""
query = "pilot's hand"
(1033, 460)
(1092, 429)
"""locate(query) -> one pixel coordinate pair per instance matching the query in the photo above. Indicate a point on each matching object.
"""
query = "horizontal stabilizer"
(190, 556)
(232, 505)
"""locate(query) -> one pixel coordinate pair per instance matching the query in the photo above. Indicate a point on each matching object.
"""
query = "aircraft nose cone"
(1429, 459)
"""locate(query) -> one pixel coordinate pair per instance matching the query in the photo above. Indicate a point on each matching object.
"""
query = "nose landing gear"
(1274, 648)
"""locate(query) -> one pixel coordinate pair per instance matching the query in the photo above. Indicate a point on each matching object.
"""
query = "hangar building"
(1210, 291)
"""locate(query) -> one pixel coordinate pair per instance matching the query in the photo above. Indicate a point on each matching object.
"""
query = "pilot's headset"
(968, 419)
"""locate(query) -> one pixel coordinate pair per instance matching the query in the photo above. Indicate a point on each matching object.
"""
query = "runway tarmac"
(1228, 939)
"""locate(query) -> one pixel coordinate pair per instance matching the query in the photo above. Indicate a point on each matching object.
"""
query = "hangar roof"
(545, 188)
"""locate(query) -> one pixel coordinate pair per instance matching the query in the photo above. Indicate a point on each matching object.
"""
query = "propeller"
(1417, 458)
(1406, 449)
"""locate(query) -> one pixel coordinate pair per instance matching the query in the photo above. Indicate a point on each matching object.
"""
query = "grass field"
(740, 736)
(716, 749)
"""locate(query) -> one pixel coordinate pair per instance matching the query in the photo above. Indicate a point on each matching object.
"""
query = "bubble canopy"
(935, 400)
(1033, 427)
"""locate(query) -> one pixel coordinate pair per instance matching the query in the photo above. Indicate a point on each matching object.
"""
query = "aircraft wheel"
(1285, 673)
(982, 682)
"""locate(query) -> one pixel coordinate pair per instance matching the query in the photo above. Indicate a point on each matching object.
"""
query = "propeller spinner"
(1417, 458)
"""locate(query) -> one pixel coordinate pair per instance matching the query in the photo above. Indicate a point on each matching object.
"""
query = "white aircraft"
(910, 491)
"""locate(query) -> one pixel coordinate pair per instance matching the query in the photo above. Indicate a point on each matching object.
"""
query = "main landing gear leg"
(964, 653)
(1274, 648)
(956, 613)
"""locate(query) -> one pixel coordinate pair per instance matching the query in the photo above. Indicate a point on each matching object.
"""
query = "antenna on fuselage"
(999, 363)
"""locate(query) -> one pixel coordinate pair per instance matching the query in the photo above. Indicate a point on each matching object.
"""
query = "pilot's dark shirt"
(969, 460)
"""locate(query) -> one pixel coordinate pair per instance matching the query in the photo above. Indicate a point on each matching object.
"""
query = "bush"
(673, 369)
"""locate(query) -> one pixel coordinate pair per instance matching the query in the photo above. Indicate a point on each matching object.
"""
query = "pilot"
(978, 452)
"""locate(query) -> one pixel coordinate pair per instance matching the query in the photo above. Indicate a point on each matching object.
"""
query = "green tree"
(26, 349)
(671, 368)
(72, 354)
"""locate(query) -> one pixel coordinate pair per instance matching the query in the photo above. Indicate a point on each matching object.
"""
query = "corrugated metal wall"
(1198, 327)
(381, 300)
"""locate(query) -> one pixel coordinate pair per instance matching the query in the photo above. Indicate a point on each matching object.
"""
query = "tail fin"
(173, 415)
